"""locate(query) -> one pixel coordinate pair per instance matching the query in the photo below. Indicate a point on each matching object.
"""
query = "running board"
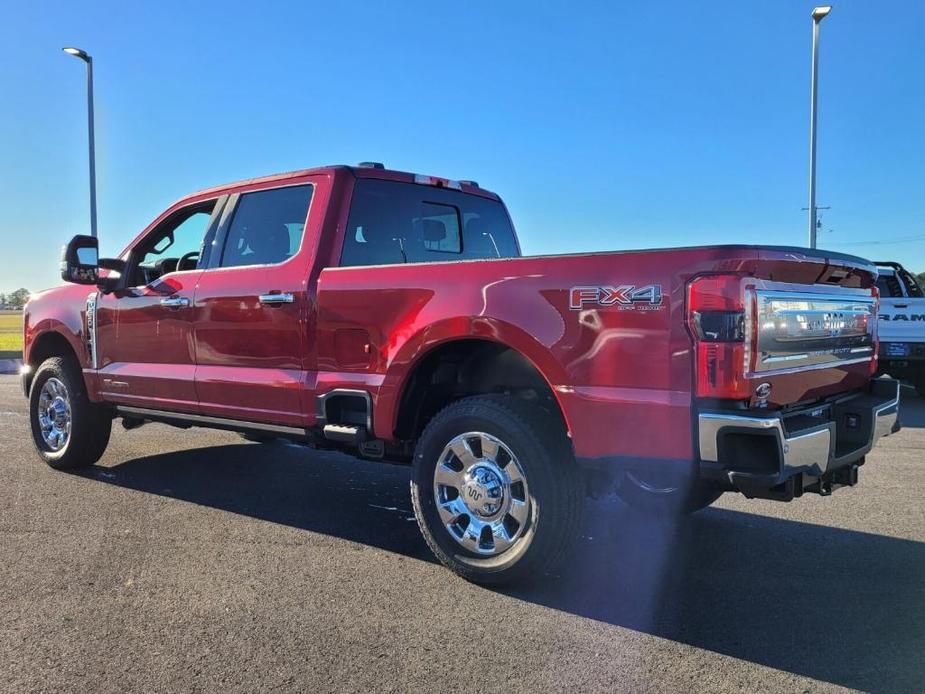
(345, 433)
(183, 419)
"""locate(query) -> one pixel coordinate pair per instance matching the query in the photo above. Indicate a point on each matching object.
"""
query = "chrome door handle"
(276, 298)
(175, 302)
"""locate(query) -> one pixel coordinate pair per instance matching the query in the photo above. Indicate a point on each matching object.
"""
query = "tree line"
(15, 300)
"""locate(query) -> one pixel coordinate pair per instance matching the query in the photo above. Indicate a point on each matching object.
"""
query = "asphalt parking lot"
(193, 561)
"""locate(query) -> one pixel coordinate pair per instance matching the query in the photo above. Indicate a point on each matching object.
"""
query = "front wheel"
(495, 489)
(68, 430)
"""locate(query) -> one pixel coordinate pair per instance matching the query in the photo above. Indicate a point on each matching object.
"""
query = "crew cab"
(391, 315)
(902, 325)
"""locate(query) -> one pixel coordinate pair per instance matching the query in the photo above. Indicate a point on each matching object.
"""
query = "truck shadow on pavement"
(912, 409)
(836, 605)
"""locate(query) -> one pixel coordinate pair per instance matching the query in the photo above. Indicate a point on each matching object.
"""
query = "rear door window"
(267, 226)
(392, 222)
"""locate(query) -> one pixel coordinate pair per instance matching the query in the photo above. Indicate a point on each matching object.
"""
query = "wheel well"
(469, 367)
(49, 345)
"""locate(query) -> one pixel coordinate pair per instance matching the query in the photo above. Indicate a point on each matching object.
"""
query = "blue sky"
(616, 125)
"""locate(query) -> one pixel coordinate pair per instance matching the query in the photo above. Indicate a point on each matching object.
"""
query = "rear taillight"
(716, 320)
(875, 332)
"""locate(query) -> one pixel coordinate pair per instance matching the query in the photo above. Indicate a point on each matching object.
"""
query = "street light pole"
(819, 14)
(84, 56)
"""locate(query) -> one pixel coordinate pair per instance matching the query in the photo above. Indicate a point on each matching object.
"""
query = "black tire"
(553, 490)
(90, 423)
(673, 494)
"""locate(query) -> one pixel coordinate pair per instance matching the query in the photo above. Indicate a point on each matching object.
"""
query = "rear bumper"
(817, 448)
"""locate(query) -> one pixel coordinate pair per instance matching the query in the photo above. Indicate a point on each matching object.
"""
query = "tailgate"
(809, 333)
(902, 320)
(809, 342)
(815, 333)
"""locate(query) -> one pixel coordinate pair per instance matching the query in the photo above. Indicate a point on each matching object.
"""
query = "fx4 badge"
(626, 297)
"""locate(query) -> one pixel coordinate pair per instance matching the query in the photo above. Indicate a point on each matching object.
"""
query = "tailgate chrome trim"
(806, 330)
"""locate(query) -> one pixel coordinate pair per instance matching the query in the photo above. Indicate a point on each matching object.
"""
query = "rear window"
(913, 288)
(392, 222)
(889, 286)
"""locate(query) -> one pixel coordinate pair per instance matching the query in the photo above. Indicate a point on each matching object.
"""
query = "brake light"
(437, 181)
(875, 331)
(716, 320)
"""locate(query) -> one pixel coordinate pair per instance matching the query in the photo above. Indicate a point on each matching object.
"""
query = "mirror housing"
(80, 260)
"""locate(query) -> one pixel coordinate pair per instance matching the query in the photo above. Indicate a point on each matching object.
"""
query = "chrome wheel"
(54, 414)
(481, 493)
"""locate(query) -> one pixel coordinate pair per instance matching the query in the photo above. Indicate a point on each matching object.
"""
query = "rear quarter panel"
(622, 377)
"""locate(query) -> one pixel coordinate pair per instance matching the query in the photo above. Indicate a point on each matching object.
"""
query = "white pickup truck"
(902, 325)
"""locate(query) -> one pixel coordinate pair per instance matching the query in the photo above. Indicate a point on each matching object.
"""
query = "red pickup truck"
(390, 315)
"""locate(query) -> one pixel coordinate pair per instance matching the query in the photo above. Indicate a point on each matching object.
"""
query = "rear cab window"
(391, 222)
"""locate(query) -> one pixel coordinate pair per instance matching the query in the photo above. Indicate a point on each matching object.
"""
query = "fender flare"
(421, 344)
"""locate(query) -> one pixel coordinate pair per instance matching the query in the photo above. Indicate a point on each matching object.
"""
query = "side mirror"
(80, 260)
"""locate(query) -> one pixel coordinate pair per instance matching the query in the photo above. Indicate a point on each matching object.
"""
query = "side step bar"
(182, 419)
(357, 436)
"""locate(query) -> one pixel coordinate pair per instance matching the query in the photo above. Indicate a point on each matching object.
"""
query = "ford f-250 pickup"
(391, 315)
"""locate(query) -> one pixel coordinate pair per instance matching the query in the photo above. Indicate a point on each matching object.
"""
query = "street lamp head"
(78, 53)
(819, 13)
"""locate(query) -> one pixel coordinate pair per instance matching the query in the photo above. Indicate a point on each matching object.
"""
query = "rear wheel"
(675, 492)
(495, 489)
(68, 430)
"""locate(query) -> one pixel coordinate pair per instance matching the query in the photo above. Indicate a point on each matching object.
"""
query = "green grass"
(10, 334)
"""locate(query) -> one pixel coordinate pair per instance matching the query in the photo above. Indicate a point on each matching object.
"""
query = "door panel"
(146, 354)
(145, 348)
(251, 310)
(249, 353)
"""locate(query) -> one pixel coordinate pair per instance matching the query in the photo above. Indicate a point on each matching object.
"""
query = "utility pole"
(819, 14)
(84, 56)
